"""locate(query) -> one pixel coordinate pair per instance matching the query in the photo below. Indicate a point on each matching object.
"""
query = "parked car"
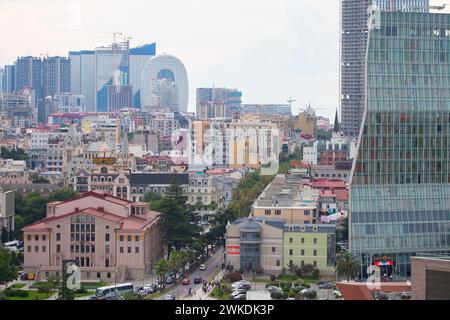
(326, 285)
(405, 295)
(169, 297)
(202, 267)
(245, 286)
(185, 282)
(337, 293)
(169, 280)
(198, 280)
(32, 276)
(273, 289)
(239, 283)
(238, 292)
(241, 296)
(24, 276)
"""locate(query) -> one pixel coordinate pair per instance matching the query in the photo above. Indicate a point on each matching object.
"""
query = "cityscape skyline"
(222, 56)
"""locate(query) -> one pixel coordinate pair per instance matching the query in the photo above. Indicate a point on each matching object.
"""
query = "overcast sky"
(270, 50)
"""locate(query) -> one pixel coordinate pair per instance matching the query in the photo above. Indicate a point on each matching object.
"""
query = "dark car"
(198, 280)
(24, 276)
(326, 285)
(169, 280)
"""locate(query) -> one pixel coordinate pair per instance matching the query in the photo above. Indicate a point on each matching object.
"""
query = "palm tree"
(347, 265)
(161, 268)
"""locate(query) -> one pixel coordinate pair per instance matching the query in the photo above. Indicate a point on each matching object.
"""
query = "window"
(129, 249)
(303, 252)
(44, 237)
(278, 212)
(58, 248)
(36, 237)
(58, 236)
(121, 238)
(291, 252)
(303, 240)
(278, 263)
(136, 238)
(307, 213)
(315, 252)
(98, 275)
(29, 237)
(136, 249)
(129, 238)
(273, 249)
(106, 237)
(107, 265)
(121, 250)
(108, 275)
(29, 248)
(36, 248)
(291, 240)
(267, 212)
(315, 263)
(315, 240)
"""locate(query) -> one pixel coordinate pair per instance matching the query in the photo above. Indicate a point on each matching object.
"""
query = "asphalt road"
(181, 291)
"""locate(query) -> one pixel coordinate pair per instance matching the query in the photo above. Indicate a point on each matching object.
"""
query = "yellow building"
(307, 122)
(310, 244)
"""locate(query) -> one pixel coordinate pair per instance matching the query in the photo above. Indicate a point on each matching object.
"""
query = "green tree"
(8, 270)
(179, 231)
(65, 293)
(62, 195)
(347, 265)
(161, 268)
(5, 235)
(35, 178)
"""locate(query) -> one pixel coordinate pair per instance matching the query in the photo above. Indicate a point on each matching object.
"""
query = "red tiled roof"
(323, 183)
(341, 195)
(126, 223)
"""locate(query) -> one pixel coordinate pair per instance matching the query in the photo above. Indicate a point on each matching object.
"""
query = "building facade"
(112, 239)
(354, 18)
(400, 187)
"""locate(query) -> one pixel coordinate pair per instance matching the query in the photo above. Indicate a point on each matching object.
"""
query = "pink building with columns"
(113, 239)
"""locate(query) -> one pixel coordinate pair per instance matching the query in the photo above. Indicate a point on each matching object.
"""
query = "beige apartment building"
(112, 239)
(286, 199)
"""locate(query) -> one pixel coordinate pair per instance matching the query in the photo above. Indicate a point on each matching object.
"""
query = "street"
(213, 266)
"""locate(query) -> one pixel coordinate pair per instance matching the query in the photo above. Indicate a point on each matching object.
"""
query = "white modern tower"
(165, 66)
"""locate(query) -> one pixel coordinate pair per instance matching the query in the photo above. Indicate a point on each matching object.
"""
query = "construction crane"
(290, 101)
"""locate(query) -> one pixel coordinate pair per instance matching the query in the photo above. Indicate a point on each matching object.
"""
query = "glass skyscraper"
(354, 32)
(400, 187)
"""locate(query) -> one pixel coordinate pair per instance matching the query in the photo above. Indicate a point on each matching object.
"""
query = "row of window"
(291, 240)
(136, 250)
(278, 212)
(302, 252)
(129, 238)
(36, 237)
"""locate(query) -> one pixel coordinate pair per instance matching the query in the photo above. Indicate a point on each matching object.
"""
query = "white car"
(239, 283)
(202, 267)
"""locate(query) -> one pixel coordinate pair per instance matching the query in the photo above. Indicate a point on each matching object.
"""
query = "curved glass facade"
(400, 189)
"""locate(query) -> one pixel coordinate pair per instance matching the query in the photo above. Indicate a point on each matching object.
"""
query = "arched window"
(104, 170)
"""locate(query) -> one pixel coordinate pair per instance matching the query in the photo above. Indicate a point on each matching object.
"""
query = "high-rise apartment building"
(354, 19)
(92, 71)
(400, 186)
(230, 98)
(55, 76)
(8, 79)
